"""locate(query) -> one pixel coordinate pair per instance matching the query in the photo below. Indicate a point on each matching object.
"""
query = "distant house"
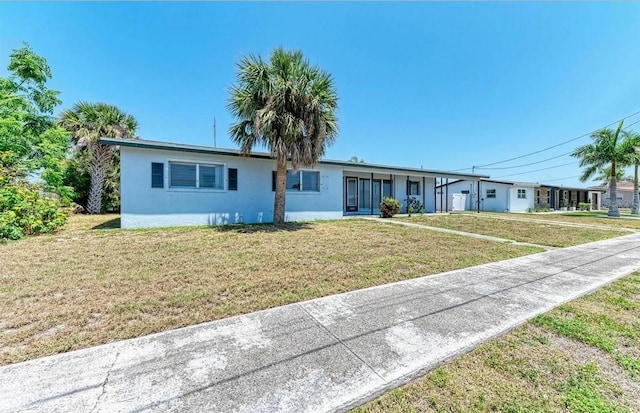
(554, 197)
(168, 184)
(624, 194)
(494, 195)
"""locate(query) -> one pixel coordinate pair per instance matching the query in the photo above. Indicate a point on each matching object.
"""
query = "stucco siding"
(144, 206)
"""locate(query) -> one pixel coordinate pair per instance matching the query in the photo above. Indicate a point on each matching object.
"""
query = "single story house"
(554, 197)
(170, 184)
(500, 196)
(624, 194)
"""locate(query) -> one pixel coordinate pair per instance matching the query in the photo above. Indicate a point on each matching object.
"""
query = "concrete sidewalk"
(322, 355)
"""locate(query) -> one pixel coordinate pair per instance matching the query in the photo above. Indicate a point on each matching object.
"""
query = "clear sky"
(437, 85)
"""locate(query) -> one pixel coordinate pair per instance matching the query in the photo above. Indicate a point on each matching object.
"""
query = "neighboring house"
(554, 197)
(501, 196)
(168, 184)
(624, 194)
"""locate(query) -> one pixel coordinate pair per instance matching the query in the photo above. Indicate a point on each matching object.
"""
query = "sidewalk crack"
(338, 339)
(106, 381)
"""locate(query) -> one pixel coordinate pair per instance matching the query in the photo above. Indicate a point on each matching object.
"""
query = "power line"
(542, 150)
(563, 143)
(562, 179)
(537, 170)
(527, 164)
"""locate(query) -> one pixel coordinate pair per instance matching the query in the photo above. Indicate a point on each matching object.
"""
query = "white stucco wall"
(144, 206)
(521, 205)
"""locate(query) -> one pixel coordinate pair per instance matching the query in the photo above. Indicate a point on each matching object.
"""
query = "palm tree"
(88, 122)
(632, 142)
(604, 175)
(287, 106)
(607, 150)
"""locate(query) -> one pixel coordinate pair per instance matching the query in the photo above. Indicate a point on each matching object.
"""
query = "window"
(293, 180)
(233, 179)
(522, 194)
(193, 175)
(465, 192)
(311, 181)
(491, 193)
(414, 188)
(307, 181)
(157, 175)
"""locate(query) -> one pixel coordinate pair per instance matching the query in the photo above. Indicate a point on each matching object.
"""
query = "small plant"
(414, 206)
(584, 206)
(389, 207)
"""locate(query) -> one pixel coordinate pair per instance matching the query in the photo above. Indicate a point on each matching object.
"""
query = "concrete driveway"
(323, 355)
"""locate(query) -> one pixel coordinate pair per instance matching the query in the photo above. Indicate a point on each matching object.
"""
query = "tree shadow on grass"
(111, 224)
(254, 228)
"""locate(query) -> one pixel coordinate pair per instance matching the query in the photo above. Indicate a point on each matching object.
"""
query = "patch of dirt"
(583, 353)
(51, 331)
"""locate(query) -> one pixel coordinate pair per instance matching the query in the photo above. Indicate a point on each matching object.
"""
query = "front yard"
(542, 233)
(91, 284)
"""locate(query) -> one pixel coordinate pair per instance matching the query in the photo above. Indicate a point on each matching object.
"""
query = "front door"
(351, 195)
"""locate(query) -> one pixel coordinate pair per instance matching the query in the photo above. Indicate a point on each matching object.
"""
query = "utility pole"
(214, 132)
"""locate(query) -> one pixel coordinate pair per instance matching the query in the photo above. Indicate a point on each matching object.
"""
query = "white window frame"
(197, 163)
(300, 183)
(493, 196)
(522, 193)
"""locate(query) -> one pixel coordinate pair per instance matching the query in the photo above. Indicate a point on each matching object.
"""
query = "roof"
(512, 183)
(168, 146)
(624, 186)
(570, 188)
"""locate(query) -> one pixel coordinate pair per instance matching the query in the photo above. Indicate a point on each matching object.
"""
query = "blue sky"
(438, 85)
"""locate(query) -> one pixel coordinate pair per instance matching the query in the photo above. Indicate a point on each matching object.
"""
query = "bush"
(24, 212)
(539, 209)
(584, 206)
(389, 207)
(414, 206)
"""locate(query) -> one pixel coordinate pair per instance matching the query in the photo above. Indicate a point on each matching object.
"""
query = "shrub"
(539, 209)
(389, 207)
(23, 211)
(584, 206)
(414, 206)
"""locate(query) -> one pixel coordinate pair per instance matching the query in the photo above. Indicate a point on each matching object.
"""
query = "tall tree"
(88, 122)
(29, 139)
(287, 106)
(606, 150)
(632, 143)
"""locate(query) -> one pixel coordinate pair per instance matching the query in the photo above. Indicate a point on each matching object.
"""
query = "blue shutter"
(157, 175)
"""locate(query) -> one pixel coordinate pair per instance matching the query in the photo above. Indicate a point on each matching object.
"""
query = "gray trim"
(147, 144)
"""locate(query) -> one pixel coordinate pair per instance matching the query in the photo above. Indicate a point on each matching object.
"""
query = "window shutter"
(233, 179)
(273, 181)
(157, 175)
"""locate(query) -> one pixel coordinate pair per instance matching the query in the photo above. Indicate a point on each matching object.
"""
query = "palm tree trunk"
(99, 168)
(635, 208)
(281, 190)
(613, 193)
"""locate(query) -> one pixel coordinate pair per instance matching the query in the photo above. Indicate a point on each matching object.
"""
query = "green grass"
(93, 284)
(532, 232)
(598, 218)
(582, 357)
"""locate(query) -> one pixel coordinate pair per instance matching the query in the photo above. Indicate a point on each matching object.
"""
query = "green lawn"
(582, 357)
(92, 284)
(533, 232)
(598, 218)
